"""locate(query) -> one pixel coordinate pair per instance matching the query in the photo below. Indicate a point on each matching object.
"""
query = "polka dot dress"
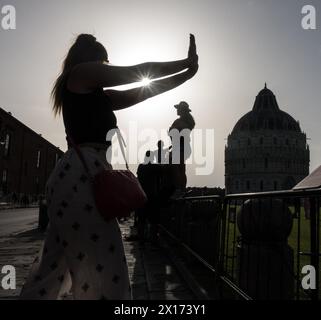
(82, 253)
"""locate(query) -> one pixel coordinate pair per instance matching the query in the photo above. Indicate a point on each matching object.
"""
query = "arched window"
(4, 180)
(248, 185)
(4, 175)
(275, 140)
(38, 158)
(7, 144)
(262, 185)
(261, 140)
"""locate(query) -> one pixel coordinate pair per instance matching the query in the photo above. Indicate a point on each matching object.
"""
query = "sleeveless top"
(88, 117)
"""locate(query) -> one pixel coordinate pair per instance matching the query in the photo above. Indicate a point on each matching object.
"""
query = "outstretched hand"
(192, 57)
(191, 71)
(192, 47)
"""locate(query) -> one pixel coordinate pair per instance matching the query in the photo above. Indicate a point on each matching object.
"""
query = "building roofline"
(8, 114)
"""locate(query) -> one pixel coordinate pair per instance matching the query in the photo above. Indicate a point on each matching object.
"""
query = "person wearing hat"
(181, 144)
(185, 120)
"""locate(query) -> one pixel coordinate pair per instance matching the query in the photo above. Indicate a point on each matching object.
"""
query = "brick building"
(26, 159)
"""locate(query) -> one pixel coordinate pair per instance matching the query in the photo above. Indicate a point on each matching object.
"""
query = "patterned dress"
(81, 252)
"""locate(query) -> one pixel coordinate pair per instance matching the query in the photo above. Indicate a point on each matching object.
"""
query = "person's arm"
(85, 77)
(127, 98)
(88, 76)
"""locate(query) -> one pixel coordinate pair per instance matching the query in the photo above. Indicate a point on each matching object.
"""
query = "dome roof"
(266, 115)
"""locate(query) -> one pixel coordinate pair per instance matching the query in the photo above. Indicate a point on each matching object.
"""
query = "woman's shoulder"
(72, 92)
(79, 74)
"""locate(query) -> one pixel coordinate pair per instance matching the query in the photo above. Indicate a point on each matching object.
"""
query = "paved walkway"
(152, 273)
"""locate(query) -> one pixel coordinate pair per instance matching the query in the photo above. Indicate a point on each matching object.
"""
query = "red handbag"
(116, 192)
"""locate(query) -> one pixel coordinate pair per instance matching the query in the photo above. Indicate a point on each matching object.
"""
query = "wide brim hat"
(183, 105)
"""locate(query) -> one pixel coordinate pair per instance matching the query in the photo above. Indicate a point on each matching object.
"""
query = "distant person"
(140, 169)
(180, 132)
(158, 188)
(81, 250)
(25, 200)
(145, 177)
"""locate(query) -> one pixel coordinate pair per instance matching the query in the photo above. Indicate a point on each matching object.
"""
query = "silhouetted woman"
(81, 251)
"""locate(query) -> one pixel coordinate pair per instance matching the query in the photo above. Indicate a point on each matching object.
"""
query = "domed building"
(266, 150)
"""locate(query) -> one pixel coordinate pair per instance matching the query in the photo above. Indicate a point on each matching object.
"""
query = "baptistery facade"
(266, 150)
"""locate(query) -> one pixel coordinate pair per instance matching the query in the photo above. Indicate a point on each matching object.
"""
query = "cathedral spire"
(265, 86)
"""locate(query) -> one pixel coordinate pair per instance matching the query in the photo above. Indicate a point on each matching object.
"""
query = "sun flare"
(145, 82)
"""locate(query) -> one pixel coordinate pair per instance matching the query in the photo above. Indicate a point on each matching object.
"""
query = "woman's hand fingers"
(192, 55)
(192, 41)
(192, 46)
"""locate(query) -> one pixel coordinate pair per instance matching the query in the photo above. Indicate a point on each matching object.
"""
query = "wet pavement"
(152, 273)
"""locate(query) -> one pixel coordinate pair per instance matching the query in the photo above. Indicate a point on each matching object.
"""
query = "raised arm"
(86, 77)
(127, 98)
(91, 75)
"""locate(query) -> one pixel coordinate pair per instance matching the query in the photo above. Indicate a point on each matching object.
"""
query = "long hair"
(84, 49)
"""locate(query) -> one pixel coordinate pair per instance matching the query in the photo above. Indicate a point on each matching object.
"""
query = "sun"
(145, 82)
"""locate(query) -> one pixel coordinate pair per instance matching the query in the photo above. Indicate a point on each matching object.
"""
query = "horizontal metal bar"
(212, 197)
(284, 193)
(309, 254)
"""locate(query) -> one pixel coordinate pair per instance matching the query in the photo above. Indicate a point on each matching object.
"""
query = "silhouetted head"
(147, 154)
(148, 157)
(182, 108)
(85, 49)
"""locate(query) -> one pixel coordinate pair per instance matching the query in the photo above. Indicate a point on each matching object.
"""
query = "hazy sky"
(241, 45)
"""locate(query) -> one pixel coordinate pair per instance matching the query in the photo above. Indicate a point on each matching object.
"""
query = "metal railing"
(256, 245)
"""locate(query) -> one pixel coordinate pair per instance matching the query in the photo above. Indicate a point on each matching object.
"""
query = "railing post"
(220, 268)
(314, 217)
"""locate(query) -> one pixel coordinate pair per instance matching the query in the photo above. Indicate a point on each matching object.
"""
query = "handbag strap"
(122, 145)
(121, 142)
(80, 154)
